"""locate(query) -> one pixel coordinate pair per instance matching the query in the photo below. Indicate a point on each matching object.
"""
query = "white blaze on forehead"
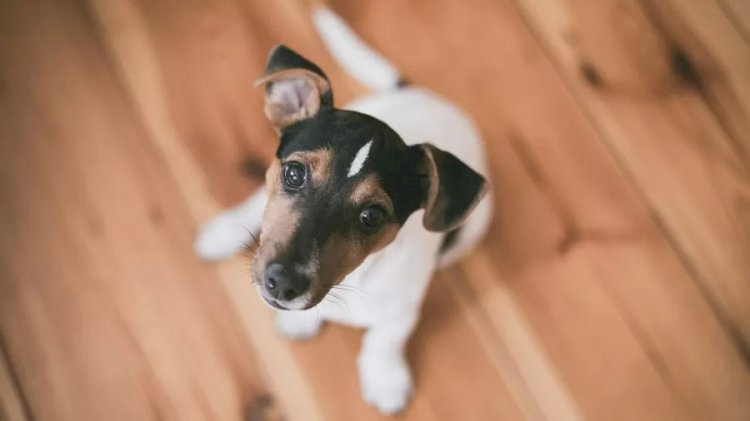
(359, 159)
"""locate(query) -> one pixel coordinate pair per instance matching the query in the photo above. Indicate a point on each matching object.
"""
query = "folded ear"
(296, 89)
(451, 189)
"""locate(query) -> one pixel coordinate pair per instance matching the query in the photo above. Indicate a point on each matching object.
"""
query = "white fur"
(384, 294)
(297, 324)
(359, 160)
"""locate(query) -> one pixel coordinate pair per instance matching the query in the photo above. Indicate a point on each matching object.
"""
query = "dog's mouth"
(304, 302)
(273, 303)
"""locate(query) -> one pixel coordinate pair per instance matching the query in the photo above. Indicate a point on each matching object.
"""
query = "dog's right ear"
(296, 89)
(451, 189)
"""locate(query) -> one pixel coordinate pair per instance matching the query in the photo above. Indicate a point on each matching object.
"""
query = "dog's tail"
(351, 52)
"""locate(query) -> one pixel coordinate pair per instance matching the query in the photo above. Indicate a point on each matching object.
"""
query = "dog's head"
(341, 186)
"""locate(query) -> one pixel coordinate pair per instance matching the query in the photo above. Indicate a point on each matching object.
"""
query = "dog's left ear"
(450, 190)
(296, 89)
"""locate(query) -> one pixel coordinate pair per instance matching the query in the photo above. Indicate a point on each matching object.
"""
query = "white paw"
(221, 238)
(385, 381)
(298, 324)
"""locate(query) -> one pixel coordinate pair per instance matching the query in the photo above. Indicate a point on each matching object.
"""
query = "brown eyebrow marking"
(318, 161)
(370, 190)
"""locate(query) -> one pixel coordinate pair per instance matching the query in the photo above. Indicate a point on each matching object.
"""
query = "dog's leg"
(232, 230)
(298, 325)
(384, 374)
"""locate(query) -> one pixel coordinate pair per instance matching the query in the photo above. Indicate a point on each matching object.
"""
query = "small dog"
(367, 201)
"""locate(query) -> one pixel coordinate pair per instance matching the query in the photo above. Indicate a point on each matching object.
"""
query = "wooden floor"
(615, 282)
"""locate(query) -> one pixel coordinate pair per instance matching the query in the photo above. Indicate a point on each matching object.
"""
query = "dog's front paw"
(298, 325)
(385, 381)
(221, 238)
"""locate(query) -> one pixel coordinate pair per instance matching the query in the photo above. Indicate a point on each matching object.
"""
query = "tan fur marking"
(370, 190)
(272, 176)
(280, 219)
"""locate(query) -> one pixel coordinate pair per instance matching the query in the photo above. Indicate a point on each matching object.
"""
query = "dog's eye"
(372, 218)
(295, 175)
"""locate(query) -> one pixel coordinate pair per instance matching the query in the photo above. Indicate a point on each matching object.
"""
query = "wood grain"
(647, 113)
(612, 284)
(106, 314)
(719, 57)
(12, 405)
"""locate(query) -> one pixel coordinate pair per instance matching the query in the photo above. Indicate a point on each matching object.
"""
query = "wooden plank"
(623, 74)
(718, 57)
(509, 338)
(106, 314)
(738, 11)
(12, 406)
(561, 196)
(448, 356)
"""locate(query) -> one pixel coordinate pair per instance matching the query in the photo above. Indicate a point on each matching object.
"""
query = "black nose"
(283, 285)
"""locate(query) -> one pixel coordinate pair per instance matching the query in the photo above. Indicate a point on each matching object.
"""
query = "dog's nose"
(283, 285)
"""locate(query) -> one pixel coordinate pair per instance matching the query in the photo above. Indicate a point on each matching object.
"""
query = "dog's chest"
(348, 304)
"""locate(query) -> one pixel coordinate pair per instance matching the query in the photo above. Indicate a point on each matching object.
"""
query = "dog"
(361, 204)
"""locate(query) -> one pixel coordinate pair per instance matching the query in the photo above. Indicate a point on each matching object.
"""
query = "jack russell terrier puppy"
(366, 201)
